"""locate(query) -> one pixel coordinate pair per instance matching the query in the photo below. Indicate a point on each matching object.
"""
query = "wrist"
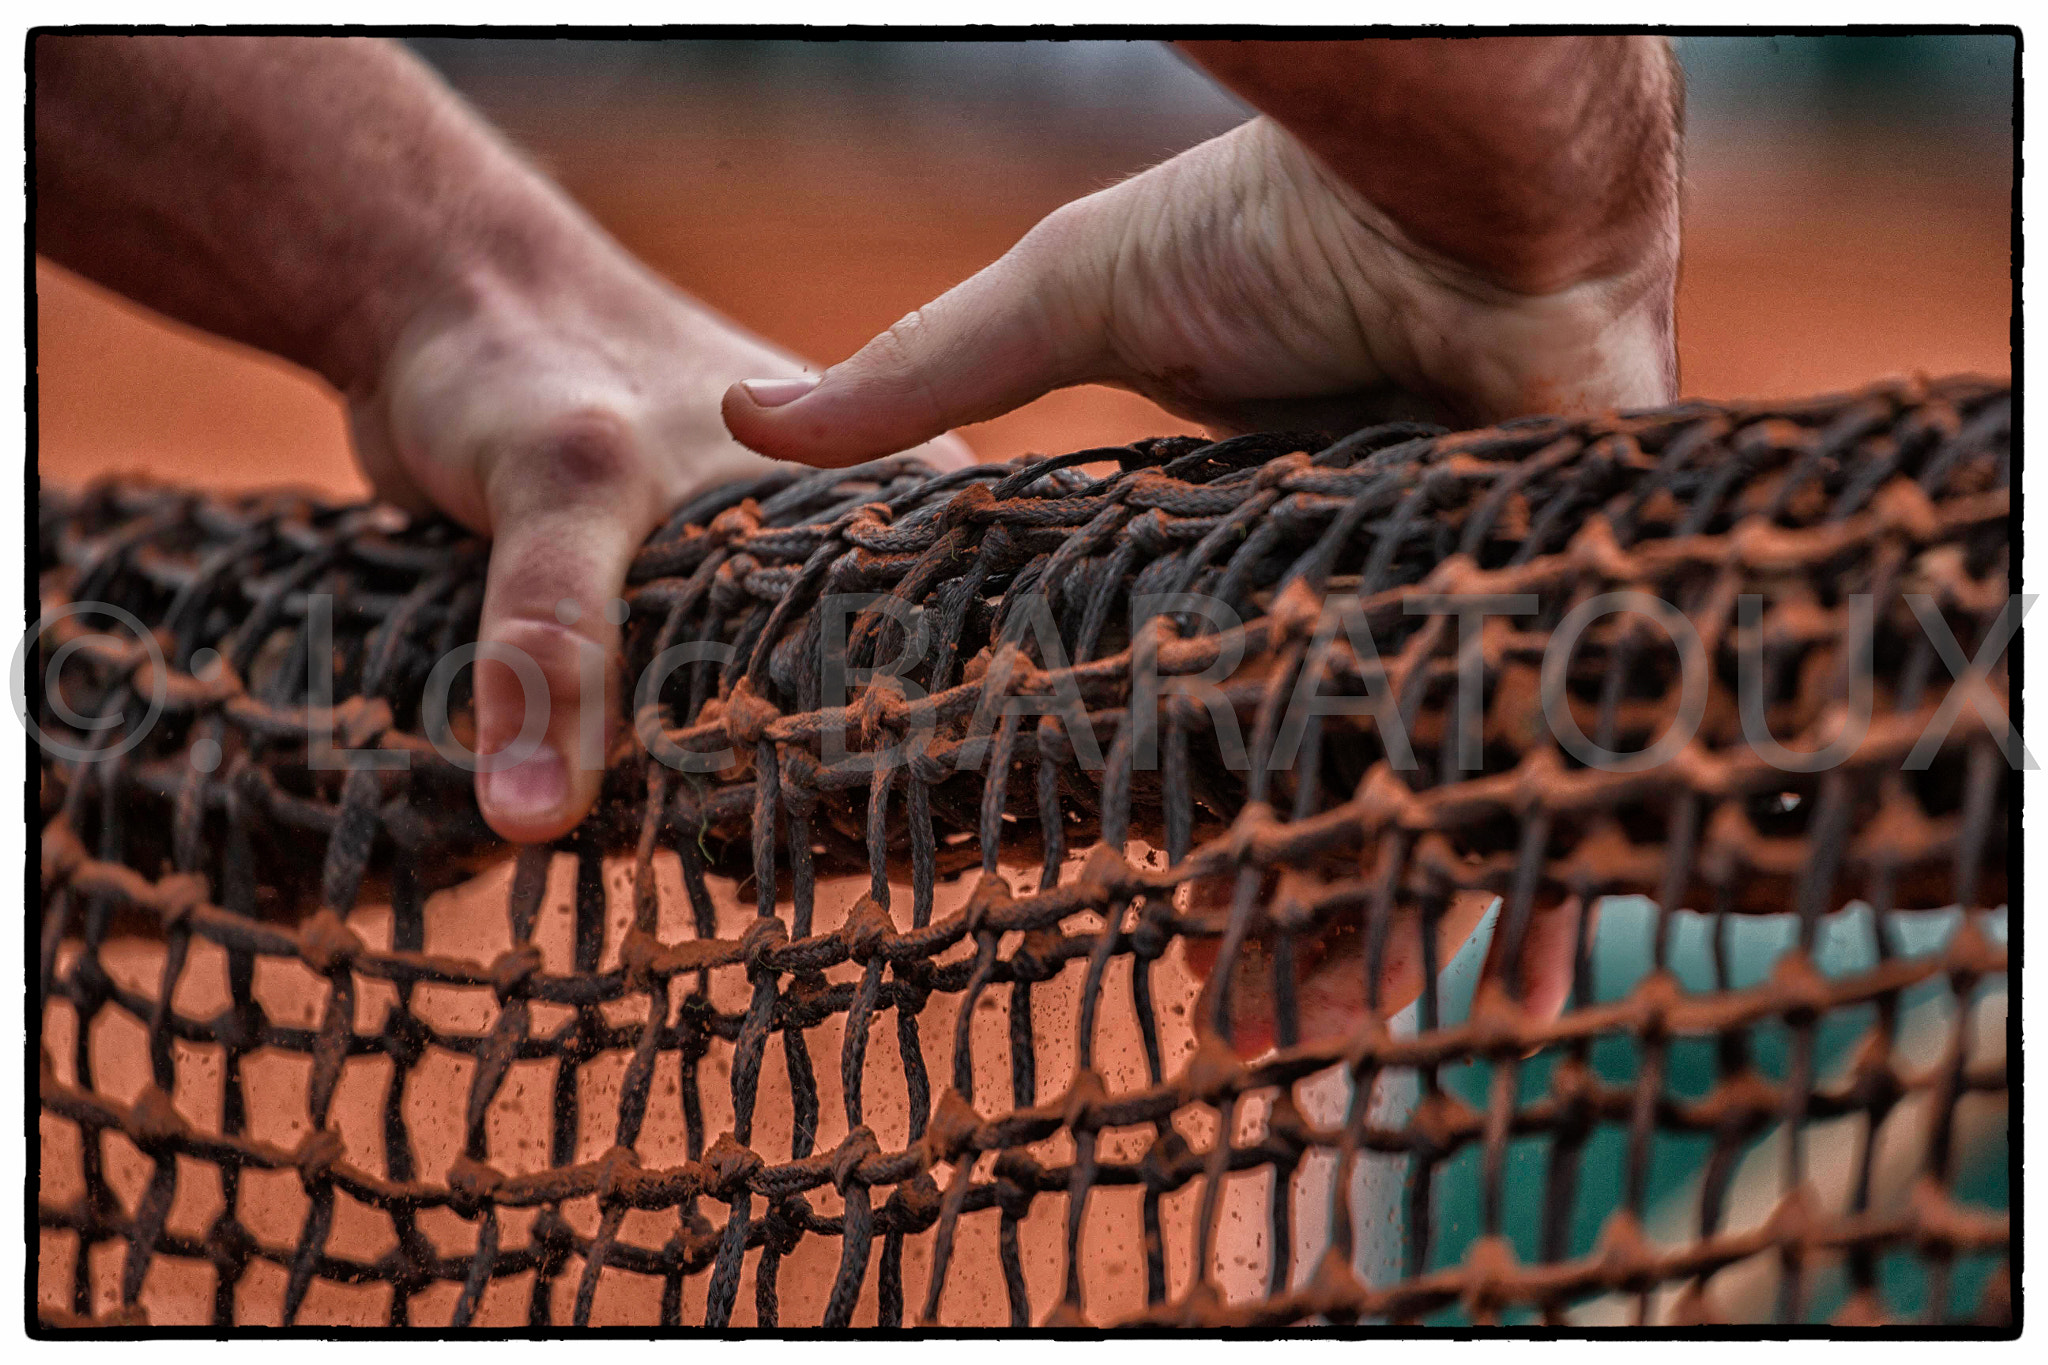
(1648, 259)
(1535, 164)
(515, 249)
(1478, 348)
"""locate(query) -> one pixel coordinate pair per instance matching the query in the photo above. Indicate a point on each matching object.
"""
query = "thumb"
(567, 516)
(1028, 324)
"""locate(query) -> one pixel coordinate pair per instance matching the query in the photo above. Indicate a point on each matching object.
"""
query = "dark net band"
(1852, 553)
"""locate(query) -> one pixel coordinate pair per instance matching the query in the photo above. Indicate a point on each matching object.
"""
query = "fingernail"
(529, 791)
(773, 393)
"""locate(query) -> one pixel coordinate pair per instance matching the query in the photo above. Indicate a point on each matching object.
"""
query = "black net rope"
(1083, 838)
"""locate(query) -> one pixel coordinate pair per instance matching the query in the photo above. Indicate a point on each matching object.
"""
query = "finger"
(1026, 325)
(1548, 960)
(567, 514)
(1402, 979)
(1330, 992)
(370, 435)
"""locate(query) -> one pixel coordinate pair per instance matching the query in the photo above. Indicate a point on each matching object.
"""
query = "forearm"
(1536, 163)
(307, 196)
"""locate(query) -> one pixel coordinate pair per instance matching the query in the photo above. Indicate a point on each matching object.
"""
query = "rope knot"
(747, 715)
(154, 1122)
(326, 944)
(859, 1145)
(472, 1185)
(317, 1154)
(991, 893)
(615, 1172)
(915, 1204)
(953, 1126)
(731, 1167)
(729, 584)
(178, 895)
(867, 930)
(513, 969)
(762, 938)
(736, 524)
(637, 955)
(973, 505)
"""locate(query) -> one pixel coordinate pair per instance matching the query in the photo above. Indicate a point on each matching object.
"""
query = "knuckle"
(904, 340)
(898, 364)
(583, 451)
(1064, 229)
(581, 459)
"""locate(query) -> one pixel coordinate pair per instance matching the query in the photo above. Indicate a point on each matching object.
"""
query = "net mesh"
(1049, 981)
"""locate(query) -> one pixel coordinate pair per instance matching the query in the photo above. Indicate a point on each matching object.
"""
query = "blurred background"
(1848, 217)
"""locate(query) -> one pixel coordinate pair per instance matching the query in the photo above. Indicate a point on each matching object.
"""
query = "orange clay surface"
(1807, 269)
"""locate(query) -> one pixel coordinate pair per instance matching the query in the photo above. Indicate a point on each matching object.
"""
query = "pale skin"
(1470, 229)
(1494, 233)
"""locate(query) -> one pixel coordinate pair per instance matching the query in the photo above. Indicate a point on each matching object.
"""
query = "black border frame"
(2015, 870)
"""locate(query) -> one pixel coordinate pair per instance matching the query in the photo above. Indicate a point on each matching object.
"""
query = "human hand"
(330, 201)
(1247, 285)
(565, 420)
(1330, 967)
(1241, 285)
